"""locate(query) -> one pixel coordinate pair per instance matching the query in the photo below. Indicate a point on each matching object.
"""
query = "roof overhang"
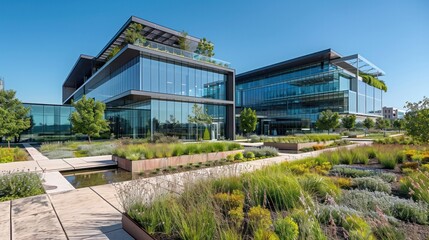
(150, 31)
(327, 54)
(356, 62)
(81, 68)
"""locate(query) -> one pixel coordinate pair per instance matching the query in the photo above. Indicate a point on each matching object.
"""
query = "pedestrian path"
(95, 212)
(34, 153)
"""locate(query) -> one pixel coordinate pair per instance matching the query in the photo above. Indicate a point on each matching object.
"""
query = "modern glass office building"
(289, 96)
(149, 86)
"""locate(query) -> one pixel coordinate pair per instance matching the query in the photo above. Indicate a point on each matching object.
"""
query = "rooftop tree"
(183, 41)
(205, 48)
(328, 120)
(88, 118)
(13, 116)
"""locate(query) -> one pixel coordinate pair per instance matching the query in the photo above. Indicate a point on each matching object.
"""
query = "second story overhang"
(127, 53)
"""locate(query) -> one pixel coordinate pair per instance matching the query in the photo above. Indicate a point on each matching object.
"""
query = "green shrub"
(410, 165)
(304, 138)
(206, 135)
(249, 155)
(344, 171)
(286, 228)
(227, 184)
(371, 184)
(409, 212)
(238, 156)
(230, 157)
(371, 153)
(259, 218)
(19, 184)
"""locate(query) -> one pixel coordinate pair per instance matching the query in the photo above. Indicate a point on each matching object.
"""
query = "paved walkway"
(34, 153)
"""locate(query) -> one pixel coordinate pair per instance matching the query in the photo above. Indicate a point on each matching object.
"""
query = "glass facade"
(162, 76)
(292, 99)
(52, 122)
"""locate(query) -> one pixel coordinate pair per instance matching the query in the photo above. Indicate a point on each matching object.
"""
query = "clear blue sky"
(41, 40)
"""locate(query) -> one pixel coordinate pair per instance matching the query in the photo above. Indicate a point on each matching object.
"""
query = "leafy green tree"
(368, 123)
(199, 116)
(205, 48)
(13, 116)
(328, 120)
(133, 34)
(349, 122)
(399, 124)
(89, 117)
(382, 124)
(183, 41)
(248, 121)
(417, 120)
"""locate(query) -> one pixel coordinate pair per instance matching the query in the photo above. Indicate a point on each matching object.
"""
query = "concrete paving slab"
(29, 206)
(5, 220)
(42, 225)
(34, 218)
(55, 165)
(54, 182)
(108, 193)
(83, 213)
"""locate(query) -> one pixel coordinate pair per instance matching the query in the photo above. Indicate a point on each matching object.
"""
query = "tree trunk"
(89, 139)
(8, 143)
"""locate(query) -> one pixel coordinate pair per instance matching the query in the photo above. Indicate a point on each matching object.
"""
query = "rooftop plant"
(373, 81)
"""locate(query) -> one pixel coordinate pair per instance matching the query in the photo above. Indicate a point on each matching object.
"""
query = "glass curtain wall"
(172, 119)
(162, 76)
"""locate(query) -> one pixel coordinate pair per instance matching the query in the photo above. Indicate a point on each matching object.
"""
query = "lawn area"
(378, 192)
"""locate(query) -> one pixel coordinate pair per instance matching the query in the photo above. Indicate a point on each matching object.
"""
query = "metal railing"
(182, 53)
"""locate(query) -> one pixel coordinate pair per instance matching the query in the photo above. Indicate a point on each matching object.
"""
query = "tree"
(199, 117)
(248, 121)
(328, 120)
(368, 123)
(13, 116)
(382, 124)
(417, 120)
(183, 41)
(205, 48)
(349, 122)
(89, 117)
(399, 124)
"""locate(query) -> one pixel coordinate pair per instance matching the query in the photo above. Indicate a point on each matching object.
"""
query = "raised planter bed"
(134, 229)
(295, 146)
(357, 136)
(158, 163)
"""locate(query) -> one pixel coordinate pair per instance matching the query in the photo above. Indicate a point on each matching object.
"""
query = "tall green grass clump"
(416, 185)
(318, 186)
(273, 189)
(388, 161)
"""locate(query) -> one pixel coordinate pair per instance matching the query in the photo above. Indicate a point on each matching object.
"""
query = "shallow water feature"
(89, 178)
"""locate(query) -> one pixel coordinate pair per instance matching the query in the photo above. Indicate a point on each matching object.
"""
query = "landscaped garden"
(19, 184)
(372, 192)
(12, 154)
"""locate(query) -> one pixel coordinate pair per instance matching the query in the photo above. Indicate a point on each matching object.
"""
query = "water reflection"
(88, 178)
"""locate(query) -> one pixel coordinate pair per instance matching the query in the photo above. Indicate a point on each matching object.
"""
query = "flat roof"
(350, 63)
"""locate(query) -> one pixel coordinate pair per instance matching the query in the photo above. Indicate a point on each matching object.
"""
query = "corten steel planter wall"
(134, 229)
(154, 163)
(295, 146)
